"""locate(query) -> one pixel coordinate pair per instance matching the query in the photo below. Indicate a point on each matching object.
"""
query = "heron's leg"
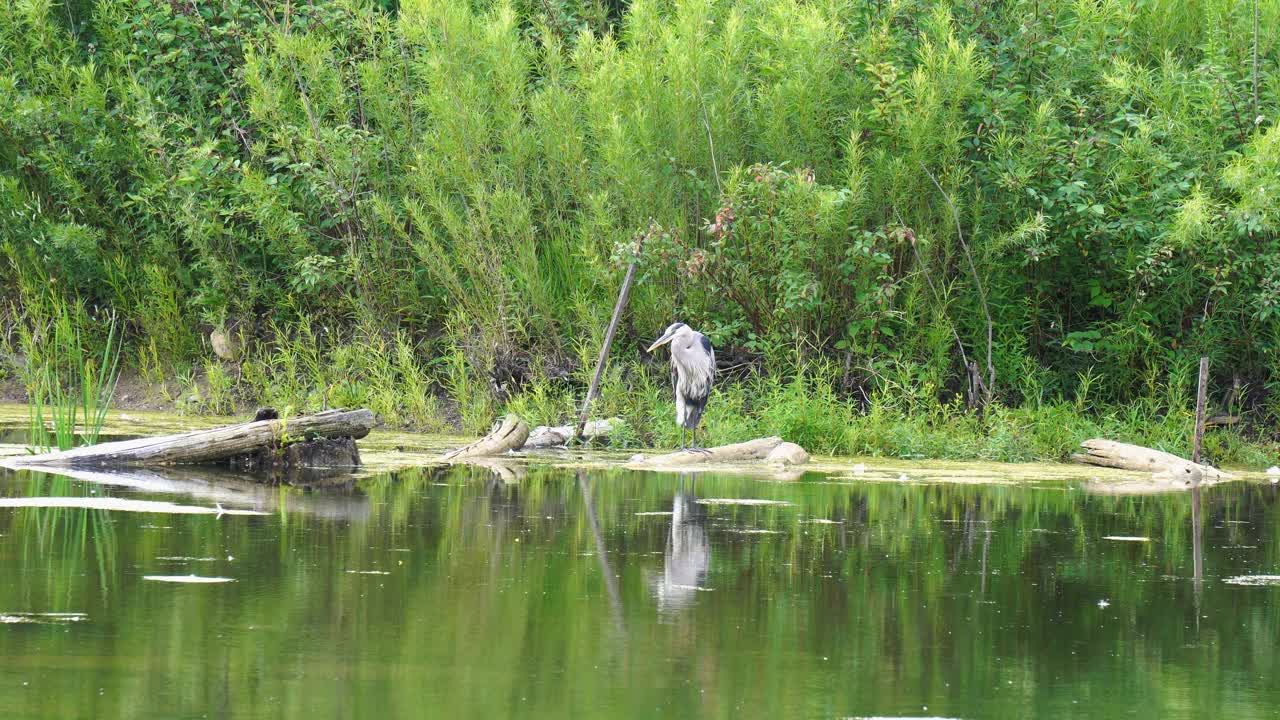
(682, 446)
(695, 445)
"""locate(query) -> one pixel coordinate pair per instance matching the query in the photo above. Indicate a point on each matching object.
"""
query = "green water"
(449, 593)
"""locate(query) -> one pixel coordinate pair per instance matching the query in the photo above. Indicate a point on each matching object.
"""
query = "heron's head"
(672, 330)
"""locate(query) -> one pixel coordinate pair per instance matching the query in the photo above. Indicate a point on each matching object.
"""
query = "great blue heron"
(693, 369)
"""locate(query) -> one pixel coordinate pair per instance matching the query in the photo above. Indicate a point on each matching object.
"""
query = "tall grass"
(421, 209)
(70, 388)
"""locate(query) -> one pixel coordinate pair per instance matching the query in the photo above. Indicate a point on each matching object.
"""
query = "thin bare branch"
(982, 293)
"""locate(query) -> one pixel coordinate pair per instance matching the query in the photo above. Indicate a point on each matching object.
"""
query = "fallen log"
(546, 436)
(309, 462)
(788, 453)
(758, 449)
(1123, 456)
(509, 435)
(208, 446)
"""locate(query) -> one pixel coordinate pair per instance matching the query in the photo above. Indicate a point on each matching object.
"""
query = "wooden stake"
(1201, 390)
(623, 295)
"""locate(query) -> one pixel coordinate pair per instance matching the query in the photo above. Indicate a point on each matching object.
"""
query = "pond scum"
(423, 207)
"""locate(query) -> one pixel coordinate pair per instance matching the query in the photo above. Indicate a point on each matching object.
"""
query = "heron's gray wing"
(697, 366)
(711, 353)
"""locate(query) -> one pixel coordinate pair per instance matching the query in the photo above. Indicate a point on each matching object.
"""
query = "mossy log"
(1123, 456)
(209, 446)
(509, 435)
(752, 450)
(309, 462)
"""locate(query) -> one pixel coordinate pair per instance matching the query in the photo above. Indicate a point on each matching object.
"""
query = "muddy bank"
(390, 450)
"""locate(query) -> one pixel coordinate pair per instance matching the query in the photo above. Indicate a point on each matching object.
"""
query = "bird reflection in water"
(688, 554)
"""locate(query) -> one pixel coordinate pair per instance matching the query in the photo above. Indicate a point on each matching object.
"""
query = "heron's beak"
(660, 342)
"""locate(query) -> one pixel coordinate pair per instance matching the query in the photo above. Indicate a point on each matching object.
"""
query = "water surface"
(452, 592)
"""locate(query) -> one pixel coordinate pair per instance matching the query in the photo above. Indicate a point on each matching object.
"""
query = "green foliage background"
(424, 206)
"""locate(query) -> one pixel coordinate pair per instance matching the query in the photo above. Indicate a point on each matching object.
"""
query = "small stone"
(225, 345)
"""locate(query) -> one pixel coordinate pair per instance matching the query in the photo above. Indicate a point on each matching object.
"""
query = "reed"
(70, 392)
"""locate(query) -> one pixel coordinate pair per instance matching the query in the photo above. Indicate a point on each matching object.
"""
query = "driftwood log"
(509, 435)
(752, 450)
(788, 453)
(1123, 456)
(208, 446)
(310, 462)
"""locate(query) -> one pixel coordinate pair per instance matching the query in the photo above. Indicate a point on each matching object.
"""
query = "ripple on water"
(741, 501)
(194, 579)
(51, 618)
(896, 717)
(1253, 580)
(122, 505)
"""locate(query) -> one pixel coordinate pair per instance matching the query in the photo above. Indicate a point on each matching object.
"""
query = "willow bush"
(840, 185)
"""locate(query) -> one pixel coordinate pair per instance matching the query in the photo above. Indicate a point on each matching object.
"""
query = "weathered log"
(1123, 456)
(509, 435)
(788, 453)
(309, 462)
(757, 449)
(208, 446)
(545, 436)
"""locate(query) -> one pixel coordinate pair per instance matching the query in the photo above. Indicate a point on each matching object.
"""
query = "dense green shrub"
(448, 185)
